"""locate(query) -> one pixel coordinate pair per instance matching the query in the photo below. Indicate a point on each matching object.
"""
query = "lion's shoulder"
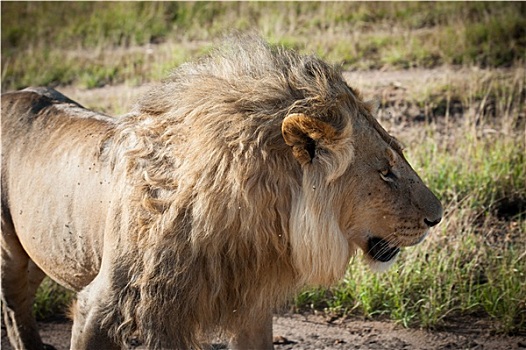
(45, 117)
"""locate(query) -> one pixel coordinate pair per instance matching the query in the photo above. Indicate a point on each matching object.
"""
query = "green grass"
(41, 41)
(51, 301)
(442, 278)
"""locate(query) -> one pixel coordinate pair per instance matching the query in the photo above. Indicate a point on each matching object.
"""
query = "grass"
(51, 301)
(469, 146)
(449, 275)
(358, 35)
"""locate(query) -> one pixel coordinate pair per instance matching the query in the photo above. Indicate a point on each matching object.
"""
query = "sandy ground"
(310, 332)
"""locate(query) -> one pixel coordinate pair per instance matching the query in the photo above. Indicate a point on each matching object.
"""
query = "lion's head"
(378, 201)
(354, 171)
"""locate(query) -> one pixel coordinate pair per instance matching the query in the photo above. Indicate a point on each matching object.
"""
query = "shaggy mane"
(209, 170)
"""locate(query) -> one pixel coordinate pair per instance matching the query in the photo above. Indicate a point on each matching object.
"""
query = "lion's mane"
(223, 222)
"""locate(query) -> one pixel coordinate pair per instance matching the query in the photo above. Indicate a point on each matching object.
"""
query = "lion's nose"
(432, 223)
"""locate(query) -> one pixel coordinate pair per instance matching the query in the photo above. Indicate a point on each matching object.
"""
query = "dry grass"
(94, 44)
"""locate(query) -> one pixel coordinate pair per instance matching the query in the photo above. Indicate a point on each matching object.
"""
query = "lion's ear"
(305, 134)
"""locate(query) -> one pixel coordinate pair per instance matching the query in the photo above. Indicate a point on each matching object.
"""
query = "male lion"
(242, 178)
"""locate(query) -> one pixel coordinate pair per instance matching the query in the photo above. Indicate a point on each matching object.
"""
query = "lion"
(239, 180)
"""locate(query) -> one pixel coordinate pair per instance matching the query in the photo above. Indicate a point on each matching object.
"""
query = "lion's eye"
(387, 175)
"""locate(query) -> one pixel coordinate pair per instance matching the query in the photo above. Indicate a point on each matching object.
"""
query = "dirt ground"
(309, 332)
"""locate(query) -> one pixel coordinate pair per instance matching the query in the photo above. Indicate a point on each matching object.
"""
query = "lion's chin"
(378, 266)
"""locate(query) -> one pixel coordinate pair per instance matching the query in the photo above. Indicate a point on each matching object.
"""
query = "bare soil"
(306, 332)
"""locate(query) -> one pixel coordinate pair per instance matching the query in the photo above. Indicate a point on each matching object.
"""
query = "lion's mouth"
(380, 250)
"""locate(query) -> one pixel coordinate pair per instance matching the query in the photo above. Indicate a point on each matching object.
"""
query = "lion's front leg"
(20, 279)
(16, 308)
(87, 332)
(254, 334)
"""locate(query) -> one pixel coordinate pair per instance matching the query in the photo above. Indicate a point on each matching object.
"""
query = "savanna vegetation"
(92, 44)
(465, 133)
